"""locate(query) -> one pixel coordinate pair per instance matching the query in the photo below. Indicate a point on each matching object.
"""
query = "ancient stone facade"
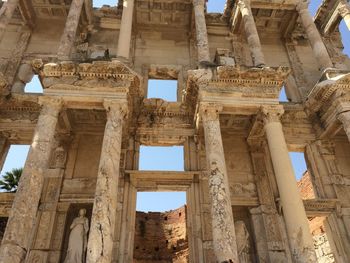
(86, 128)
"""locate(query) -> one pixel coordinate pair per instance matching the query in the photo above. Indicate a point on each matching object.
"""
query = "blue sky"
(163, 158)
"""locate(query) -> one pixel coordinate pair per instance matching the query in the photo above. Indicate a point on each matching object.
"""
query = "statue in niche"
(78, 239)
(242, 239)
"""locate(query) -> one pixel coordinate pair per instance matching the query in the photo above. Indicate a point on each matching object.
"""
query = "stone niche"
(72, 213)
(161, 237)
(241, 214)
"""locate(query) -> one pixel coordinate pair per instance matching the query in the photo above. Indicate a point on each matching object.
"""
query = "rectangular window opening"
(15, 160)
(160, 227)
(100, 3)
(283, 95)
(162, 89)
(216, 6)
(302, 175)
(161, 158)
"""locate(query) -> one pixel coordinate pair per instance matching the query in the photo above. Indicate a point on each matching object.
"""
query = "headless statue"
(78, 239)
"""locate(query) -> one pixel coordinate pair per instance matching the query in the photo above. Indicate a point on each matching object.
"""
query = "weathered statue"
(242, 237)
(78, 239)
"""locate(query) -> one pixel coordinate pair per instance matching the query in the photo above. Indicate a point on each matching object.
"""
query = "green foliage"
(10, 180)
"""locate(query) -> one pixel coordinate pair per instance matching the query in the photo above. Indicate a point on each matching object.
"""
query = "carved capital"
(271, 113)
(210, 111)
(116, 109)
(343, 9)
(51, 105)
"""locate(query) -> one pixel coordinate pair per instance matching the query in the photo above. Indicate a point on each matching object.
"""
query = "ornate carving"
(271, 113)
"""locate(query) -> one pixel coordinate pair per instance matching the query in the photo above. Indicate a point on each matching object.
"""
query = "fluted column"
(224, 237)
(344, 117)
(22, 217)
(100, 245)
(299, 236)
(344, 11)
(251, 33)
(201, 32)
(318, 47)
(70, 30)
(125, 29)
(6, 12)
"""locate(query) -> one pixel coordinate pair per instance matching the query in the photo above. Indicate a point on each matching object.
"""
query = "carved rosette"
(224, 239)
(100, 245)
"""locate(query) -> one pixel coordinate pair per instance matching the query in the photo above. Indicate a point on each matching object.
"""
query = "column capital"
(51, 103)
(210, 111)
(116, 108)
(271, 113)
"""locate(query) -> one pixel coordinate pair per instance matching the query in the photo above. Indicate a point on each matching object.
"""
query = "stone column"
(251, 33)
(318, 47)
(6, 12)
(224, 237)
(125, 29)
(100, 245)
(70, 30)
(297, 226)
(344, 117)
(344, 11)
(21, 221)
(201, 32)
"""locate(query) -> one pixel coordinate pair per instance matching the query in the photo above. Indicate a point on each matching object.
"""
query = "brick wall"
(161, 237)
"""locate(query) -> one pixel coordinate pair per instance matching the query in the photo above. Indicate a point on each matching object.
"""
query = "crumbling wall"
(321, 243)
(161, 237)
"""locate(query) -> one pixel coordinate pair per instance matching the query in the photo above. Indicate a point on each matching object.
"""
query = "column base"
(10, 253)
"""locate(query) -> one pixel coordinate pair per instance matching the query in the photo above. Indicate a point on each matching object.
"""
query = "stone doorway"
(161, 233)
(159, 181)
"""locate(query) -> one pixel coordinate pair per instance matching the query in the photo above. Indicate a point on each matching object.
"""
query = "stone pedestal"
(17, 236)
(6, 12)
(344, 11)
(299, 236)
(344, 117)
(201, 32)
(224, 237)
(251, 33)
(70, 30)
(100, 245)
(125, 29)
(318, 47)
